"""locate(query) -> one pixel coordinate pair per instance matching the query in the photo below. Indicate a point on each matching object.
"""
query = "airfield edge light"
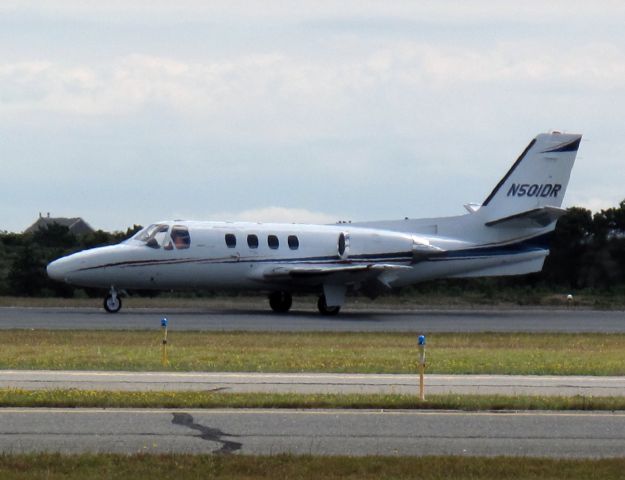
(164, 359)
(421, 342)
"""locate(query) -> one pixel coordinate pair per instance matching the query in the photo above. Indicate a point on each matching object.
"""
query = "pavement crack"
(207, 433)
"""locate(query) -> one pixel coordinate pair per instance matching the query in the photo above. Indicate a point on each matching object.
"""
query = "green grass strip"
(447, 353)
(278, 467)
(111, 399)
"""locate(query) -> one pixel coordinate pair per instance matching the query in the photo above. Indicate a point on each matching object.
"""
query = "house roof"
(76, 225)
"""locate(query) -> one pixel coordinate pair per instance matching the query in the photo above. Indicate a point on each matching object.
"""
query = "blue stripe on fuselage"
(528, 245)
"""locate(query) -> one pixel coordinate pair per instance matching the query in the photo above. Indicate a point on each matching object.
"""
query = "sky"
(311, 111)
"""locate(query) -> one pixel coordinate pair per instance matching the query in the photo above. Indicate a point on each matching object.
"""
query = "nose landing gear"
(112, 302)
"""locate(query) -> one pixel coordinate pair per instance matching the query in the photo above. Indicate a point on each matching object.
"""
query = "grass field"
(105, 399)
(484, 353)
(278, 467)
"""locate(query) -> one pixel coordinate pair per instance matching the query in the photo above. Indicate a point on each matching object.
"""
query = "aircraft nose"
(58, 269)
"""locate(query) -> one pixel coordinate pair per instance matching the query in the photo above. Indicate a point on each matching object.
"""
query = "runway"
(313, 383)
(316, 432)
(422, 321)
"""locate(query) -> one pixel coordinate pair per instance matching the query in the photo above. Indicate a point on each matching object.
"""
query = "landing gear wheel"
(280, 302)
(324, 309)
(112, 304)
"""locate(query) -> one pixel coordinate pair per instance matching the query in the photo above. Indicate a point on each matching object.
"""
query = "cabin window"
(252, 241)
(180, 237)
(231, 240)
(273, 242)
(293, 242)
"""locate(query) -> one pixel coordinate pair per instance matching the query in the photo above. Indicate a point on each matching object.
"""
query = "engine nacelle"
(343, 245)
(377, 246)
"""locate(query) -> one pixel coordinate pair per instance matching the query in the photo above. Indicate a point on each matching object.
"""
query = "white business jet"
(506, 235)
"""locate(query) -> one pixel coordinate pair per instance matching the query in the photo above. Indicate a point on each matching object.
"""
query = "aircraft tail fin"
(533, 189)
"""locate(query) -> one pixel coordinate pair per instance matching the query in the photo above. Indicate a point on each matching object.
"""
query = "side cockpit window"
(180, 237)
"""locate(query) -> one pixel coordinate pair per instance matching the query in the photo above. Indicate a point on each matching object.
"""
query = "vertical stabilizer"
(538, 179)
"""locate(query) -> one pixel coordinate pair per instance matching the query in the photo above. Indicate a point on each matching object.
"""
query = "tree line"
(24, 256)
(587, 251)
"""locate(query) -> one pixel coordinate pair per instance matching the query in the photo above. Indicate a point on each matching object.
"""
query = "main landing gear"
(280, 302)
(324, 309)
(112, 302)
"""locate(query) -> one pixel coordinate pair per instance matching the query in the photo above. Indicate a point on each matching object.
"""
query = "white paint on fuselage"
(210, 263)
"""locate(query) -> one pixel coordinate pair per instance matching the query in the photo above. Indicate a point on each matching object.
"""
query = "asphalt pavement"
(316, 432)
(335, 432)
(312, 383)
(423, 321)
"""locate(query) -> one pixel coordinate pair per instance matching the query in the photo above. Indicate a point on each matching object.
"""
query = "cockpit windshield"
(157, 236)
(153, 236)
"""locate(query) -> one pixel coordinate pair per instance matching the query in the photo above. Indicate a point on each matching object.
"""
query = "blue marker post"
(421, 366)
(164, 360)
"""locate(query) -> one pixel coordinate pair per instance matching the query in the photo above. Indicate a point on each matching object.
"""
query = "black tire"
(324, 309)
(280, 302)
(112, 306)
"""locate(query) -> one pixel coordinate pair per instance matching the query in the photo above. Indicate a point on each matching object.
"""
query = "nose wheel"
(280, 302)
(112, 302)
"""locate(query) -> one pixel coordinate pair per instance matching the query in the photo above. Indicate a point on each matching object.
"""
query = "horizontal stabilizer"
(534, 218)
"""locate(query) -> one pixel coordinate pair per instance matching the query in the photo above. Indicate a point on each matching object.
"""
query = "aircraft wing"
(371, 279)
(312, 271)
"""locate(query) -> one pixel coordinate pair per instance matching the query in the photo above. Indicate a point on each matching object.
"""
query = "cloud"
(272, 103)
(595, 199)
(456, 11)
(272, 84)
(276, 214)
